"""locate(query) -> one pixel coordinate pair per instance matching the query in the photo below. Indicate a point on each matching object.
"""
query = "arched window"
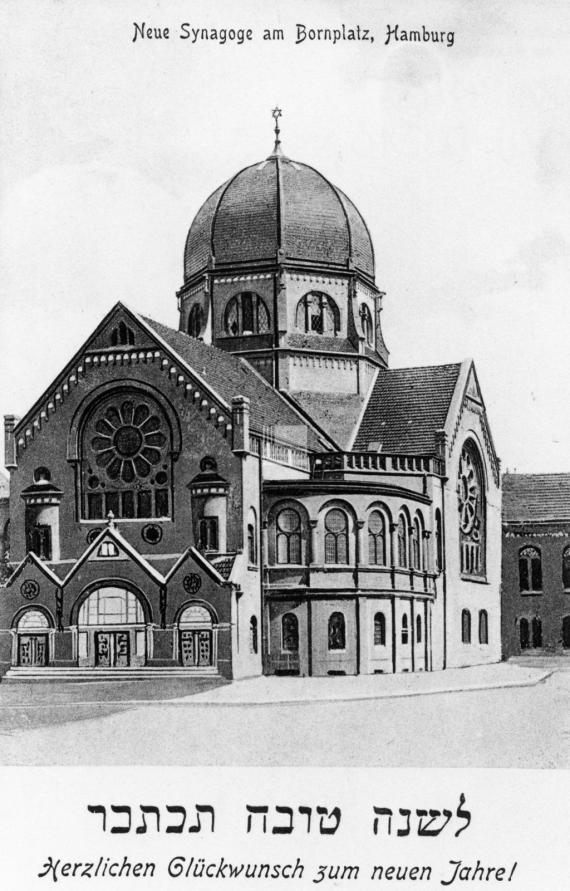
(246, 313)
(379, 630)
(367, 324)
(111, 606)
(536, 633)
(483, 627)
(530, 569)
(290, 633)
(288, 538)
(336, 537)
(566, 568)
(416, 544)
(402, 541)
(317, 313)
(418, 629)
(252, 538)
(524, 633)
(122, 335)
(566, 632)
(33, 620)
(377, 538)
(337, 632)
(466, 626)
(196, 320)
(471, 503)
(126, 459)
(253, 635)
(438, 541)
(405, 629)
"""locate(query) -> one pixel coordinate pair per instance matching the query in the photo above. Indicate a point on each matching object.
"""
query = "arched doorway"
(32, 634)
(197, 637)
(111, 629)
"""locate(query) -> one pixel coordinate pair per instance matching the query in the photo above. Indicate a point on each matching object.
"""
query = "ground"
(517, 726)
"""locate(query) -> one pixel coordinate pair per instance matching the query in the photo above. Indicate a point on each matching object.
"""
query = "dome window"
(317, 313)
(195, 321)
(367, 325)
(246, 313)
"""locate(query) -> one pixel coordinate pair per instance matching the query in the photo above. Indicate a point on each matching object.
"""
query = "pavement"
(283, 690)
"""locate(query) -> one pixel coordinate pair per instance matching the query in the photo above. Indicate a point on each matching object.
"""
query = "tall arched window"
(336, 537)
(536, 626)
(126, 458)
(122, 335)
(416, 544)
(402, 541)
(253, 646)
(524, 634)
(566, 568)
(530, 569)
(288, 537)
(405, 629)
(438, 541)
(337, 632)
(566, 632)
(483, 627)
(367, 324)
(465, 626)
(317, 313)
(252, 538)
(377, 538)
(246, 313)
(196, 320)
(418, 629)
(290, 633)
(379, 630)
(471, 503)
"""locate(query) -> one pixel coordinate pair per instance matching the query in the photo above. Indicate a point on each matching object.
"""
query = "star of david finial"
(276, 114)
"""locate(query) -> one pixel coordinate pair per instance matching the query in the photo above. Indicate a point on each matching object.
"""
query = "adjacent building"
(536, 563)
(256, 491)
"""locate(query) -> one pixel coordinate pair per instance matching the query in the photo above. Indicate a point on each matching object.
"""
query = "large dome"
(274, 206)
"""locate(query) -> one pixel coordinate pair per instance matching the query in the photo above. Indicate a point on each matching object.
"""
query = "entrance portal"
(196, 638)
(33, 629)
(111, 629)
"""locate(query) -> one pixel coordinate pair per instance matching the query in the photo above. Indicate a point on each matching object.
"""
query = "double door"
(195, 647)
(32, 649)
(112, 649)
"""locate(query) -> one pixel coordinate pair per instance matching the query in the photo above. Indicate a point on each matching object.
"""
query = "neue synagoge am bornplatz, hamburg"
(257, 491)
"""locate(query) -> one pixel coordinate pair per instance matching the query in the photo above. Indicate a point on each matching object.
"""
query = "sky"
(457, 157)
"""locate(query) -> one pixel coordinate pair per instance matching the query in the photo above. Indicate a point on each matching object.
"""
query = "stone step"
(98, 675)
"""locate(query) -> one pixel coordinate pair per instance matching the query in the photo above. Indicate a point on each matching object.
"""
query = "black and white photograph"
(285, 506)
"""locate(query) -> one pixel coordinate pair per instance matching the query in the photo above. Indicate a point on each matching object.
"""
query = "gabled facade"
(256, 491)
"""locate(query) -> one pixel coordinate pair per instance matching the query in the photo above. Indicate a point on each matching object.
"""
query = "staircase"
(73, 674)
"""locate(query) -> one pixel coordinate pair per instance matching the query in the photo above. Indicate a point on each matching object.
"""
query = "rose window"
(470, 504)
(129, 441)
(126, 460)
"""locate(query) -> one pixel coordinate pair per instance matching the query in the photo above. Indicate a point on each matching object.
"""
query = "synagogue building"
(256, 491)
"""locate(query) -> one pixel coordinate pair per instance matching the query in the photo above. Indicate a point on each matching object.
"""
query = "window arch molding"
(246, 313)
(404, 531)
(336, 504)
(367, 324)
(566, 568)
(91, 402)
(373, 533)
(203, 604)
(196, 318)
(275, 530)
(418, 542)
(530, 570)
(33, 608)
(124, 584)
(317, 313)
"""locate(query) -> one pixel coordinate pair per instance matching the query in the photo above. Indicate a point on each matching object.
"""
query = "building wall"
(551, 604)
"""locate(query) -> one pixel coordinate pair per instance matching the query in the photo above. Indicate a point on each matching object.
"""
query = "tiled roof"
(536, 497)
(320, 343)
(278, 204)
(336, 413)
(406, 407)
(230, 376)
(224, 565)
